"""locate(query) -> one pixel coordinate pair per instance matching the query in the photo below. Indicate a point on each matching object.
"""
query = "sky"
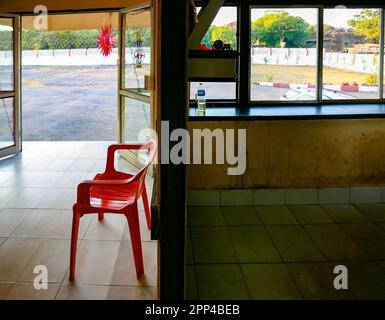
(334, 17)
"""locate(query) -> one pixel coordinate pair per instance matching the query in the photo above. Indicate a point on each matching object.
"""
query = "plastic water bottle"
(201, 100)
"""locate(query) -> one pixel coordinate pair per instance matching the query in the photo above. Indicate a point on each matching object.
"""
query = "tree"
(225, 33)
(207, 38)
(367, 24)
(275, 28)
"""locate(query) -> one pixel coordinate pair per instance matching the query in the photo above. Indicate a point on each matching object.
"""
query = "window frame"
(243, 82)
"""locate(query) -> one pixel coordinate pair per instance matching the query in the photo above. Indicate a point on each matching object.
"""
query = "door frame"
(123, 92)
(173, 104)
(16, 93)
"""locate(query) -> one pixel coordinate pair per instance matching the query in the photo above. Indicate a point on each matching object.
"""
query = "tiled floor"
(285, 252)
(37, 191)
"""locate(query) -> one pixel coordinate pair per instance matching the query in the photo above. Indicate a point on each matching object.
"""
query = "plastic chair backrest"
(139, 177)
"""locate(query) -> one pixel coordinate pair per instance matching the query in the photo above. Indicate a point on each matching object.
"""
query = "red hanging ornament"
(106, 41)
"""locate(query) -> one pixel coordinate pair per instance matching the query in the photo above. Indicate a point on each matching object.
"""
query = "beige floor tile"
(82, 165)
(145, 233)
(36, 164)
(70, 179)
(26, 198)
(60, 165)
(132, 293)
(96, 261)
(253, 245)
(4, 289)
(294, 244)
(82, 292)
(58, 198)
(369, 237)
(366, 279)
(54, 254)
(19, 179)
(14, 256)
(212, 245)
(10, 219)
(191, 283)
(50, 224)
(125, 274)
(315, 281)
(309, 214)
(335, 243)
(27, 291)
(7, 194)
(206, 216)
(45, 179)
(5, 176)
(276, 215)
(345, 213)
(221, 282)
(111, 228)
(269, 281)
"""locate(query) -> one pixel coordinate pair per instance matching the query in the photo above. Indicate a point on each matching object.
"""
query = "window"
(292, 59)
(224, 28)
(215, 90)
(351, 54)
(283, 64)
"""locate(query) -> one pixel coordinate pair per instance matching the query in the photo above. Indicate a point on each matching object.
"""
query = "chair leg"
(146, 207)
(100, 216)
(74, 241)
(133, 223)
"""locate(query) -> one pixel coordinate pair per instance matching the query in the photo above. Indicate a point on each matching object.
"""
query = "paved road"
(69, 103)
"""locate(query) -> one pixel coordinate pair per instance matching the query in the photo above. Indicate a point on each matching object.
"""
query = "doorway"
(69, 88)
(44, 185)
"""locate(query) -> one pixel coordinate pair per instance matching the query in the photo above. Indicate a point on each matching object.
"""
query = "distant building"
(337, 40)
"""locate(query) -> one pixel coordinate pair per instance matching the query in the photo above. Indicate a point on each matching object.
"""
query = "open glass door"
(136, 69)
(10, 142)
(139, 93)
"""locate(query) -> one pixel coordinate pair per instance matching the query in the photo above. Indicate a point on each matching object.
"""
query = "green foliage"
(208, 36)
(367, 24)
(372, 79)
(225, 33)
(5, 40)
(278, 26)
(33, 40)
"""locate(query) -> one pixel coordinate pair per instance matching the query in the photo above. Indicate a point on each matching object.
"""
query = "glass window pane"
(6, 54)
(137, 57)
(7, 123)
(215, 90)
(350, 57)
(136, 118)
(224, 27)
(283, 54)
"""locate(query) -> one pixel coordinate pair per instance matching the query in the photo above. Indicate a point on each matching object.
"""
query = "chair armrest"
(83, 191)
(113, 148)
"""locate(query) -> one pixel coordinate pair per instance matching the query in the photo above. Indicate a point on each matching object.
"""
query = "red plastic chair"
(115, 192)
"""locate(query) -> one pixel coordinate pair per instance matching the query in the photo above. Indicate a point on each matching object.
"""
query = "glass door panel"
(9, 85)
(137, 49)
(136, 70)
(6, 54)
(7, 123)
